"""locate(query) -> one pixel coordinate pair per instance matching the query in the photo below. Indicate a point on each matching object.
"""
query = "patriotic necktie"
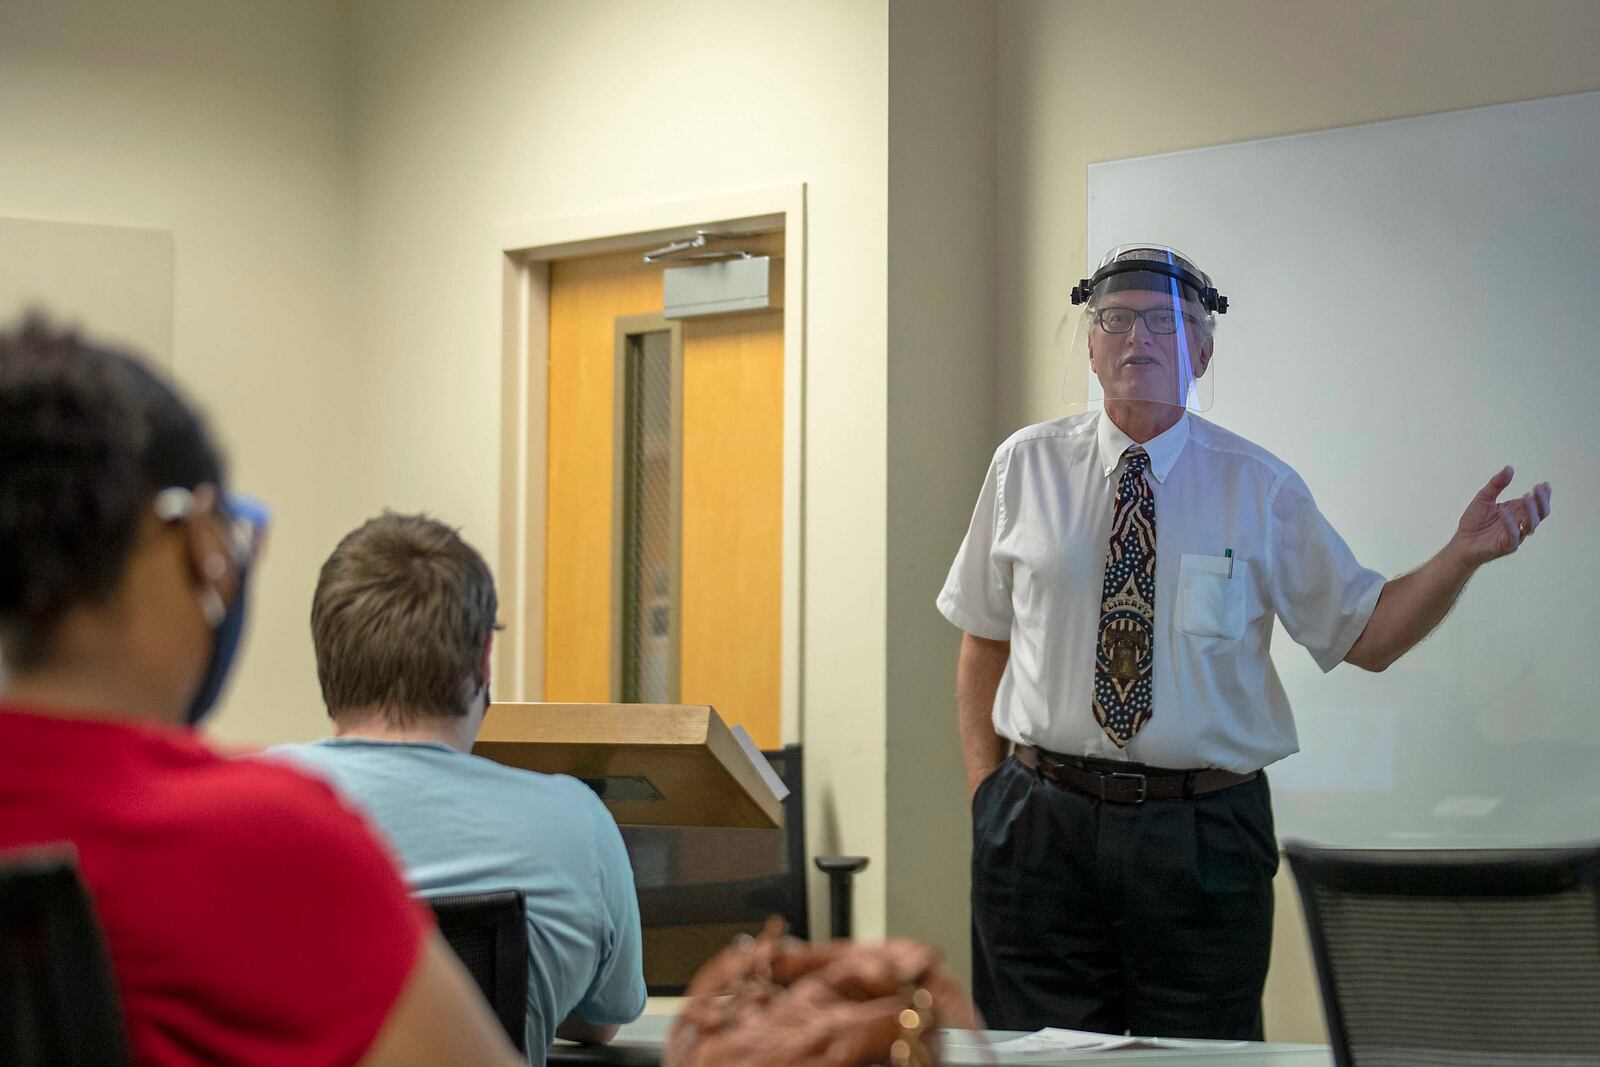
(1126, 646)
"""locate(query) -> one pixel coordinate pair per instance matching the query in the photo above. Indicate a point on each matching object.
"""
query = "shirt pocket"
(1211, 603)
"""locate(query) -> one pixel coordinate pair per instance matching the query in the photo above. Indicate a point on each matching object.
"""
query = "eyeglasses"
(245, 518)
(1157, 320)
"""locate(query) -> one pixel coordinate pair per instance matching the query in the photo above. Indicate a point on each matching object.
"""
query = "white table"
(639, 1045)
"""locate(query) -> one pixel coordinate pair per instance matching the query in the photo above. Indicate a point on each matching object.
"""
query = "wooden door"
(729, 594)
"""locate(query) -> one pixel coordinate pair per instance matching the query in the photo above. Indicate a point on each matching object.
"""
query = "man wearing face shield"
(1117, 589)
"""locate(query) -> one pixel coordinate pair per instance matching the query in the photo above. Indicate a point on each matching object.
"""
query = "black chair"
(699, 887)
(489, 931)
(1455, 958)
(58, 997)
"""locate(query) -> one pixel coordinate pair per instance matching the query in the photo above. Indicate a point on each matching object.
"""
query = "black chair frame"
(1425, 873)
(58, 995)
(489, 931)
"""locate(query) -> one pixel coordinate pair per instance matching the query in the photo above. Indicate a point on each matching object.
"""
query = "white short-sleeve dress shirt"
(1033, 562)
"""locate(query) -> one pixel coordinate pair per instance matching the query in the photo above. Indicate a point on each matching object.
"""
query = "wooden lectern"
(652, 764)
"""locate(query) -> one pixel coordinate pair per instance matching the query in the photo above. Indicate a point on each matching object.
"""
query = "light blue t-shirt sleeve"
(617, 994)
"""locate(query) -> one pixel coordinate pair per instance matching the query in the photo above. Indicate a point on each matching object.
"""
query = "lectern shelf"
(652, 764)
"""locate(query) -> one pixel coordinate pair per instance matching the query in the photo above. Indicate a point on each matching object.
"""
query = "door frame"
(526, 250)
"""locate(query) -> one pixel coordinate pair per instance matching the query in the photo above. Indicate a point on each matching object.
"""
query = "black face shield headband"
(1207, 295)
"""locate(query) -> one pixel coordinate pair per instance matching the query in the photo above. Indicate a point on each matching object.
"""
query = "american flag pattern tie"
(1125, 650)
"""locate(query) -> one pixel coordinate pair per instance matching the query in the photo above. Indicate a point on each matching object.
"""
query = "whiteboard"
(1414, 304)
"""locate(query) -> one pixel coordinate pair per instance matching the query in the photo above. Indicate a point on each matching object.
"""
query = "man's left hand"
(1491, 528)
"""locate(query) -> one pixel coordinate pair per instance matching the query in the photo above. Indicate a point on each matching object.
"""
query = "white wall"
(1086, 82)
(474, 115)
(222, 121)
(940, 433)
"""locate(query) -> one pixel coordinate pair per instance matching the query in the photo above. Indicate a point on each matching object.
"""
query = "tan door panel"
(586, 298)
(732, 563)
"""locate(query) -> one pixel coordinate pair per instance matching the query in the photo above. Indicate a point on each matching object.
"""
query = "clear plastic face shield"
(1143, 327)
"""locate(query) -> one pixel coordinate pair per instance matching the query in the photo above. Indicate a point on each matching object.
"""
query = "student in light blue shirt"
(403, 620)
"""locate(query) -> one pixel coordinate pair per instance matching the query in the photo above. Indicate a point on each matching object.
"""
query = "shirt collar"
(381, 742)
(1163, 449)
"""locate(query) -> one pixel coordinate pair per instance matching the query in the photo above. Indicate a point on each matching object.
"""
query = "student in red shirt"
(250, 917)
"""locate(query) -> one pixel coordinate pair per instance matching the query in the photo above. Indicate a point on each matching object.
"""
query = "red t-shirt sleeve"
(291, 932)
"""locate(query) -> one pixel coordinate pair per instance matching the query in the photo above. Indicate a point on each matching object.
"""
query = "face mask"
(224, 647)
(248, 521)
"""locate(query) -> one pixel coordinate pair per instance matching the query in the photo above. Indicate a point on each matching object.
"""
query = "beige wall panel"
(733, 518)
(940, 432)
(586, 298)
(112, 282)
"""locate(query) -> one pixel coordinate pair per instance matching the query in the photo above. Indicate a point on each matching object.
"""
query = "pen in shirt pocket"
(1229, 555)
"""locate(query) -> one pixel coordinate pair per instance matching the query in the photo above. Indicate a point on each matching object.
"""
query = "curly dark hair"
(88, 436)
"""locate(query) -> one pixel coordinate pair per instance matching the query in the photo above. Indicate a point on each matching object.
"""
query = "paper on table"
(768, 775)
(1054, 1039)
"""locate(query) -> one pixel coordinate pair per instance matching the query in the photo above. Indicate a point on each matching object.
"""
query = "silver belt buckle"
(1144, 785)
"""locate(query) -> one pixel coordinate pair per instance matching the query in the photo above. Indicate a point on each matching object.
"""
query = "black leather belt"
(1126, 783)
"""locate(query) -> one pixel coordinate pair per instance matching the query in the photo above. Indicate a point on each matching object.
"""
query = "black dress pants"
(1153, 919)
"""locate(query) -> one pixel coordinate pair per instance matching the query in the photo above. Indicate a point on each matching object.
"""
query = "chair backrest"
(700, 886)
(489, 931)
(1455, 957)
(58, 998)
